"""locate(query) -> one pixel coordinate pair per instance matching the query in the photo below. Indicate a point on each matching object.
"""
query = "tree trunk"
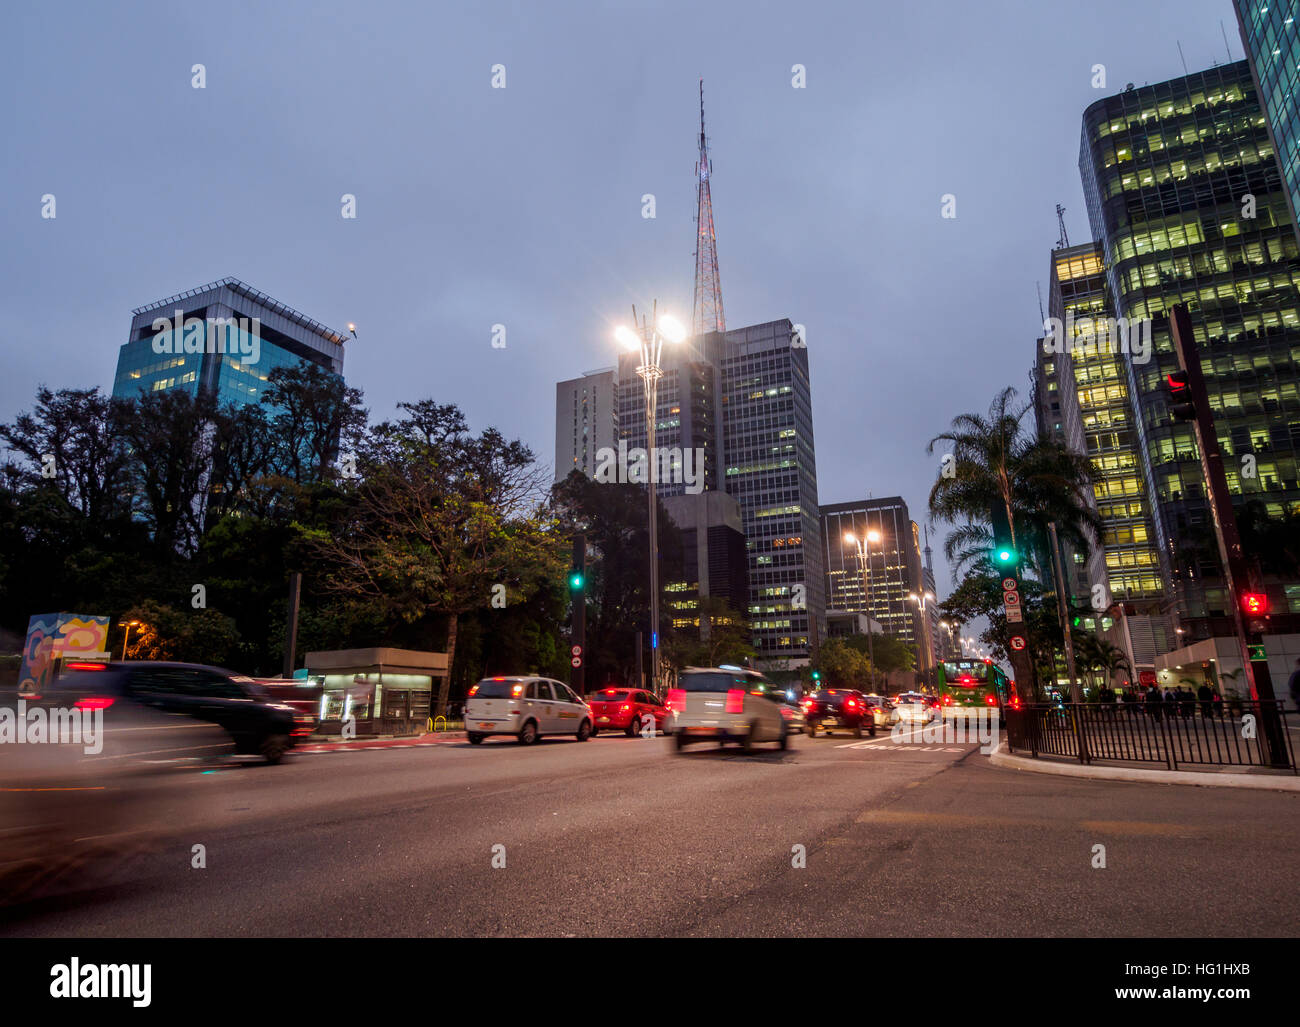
(444, 687)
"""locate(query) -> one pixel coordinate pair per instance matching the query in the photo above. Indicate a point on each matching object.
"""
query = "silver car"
(726, 704)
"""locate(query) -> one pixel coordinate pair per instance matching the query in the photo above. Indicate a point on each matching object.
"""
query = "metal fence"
(1246, 734)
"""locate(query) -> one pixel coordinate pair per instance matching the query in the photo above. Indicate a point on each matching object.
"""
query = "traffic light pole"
(1006, 562)
(1239, 571)
(578, 640)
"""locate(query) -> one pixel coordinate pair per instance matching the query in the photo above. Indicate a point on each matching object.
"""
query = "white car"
(726, 704)
(526, 707)
(913, 708)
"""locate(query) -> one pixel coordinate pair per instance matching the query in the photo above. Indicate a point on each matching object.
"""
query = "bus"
(973, 684)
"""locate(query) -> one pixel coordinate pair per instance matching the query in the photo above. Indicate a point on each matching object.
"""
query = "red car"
(625, 709)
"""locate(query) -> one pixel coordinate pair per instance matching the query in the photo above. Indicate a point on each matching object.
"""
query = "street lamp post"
(864, 555)
(126, 637)
(925, 628)
(649, 337)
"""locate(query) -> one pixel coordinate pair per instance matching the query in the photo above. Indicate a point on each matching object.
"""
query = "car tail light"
(677, 699)
(736, 700)
(626, 707)
(850, 704)
(473, 691)
(93, 702)
(990, 700)
(517, 691)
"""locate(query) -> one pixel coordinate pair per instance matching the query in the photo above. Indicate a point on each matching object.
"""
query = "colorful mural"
(56, 636)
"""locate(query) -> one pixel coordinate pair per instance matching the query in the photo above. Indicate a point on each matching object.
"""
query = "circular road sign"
(1011, 598)
(576, 650)
(576, 661)
(1017, 642)
(1008, 584)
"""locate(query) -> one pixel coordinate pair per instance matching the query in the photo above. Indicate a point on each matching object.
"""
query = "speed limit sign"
(576, 651)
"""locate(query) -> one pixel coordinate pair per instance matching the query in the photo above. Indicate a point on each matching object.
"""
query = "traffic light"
(1004, 556)
(575, 580)
(1255, 604)
(1181, 407)
(816, 676)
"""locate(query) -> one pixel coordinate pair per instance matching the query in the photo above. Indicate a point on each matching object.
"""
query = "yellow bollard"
(435, 723)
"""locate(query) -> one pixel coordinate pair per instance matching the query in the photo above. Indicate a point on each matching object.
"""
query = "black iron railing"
(1246, 734)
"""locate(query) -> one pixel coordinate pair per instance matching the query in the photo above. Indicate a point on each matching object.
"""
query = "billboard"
(59, 636)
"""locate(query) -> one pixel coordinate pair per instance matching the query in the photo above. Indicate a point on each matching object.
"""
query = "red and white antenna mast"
(708, 316)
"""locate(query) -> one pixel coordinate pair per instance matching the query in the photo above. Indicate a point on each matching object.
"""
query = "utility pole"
(1076, 693)
(291, 628)
(1243, 579)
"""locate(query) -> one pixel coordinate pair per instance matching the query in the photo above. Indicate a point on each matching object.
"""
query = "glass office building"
(1172, 174)
(1271, 34)
(219, 350)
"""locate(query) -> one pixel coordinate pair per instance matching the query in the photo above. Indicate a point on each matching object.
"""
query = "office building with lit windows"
(1172, 173)
(229, 361)
(1270, 31)
(742, 399)
(893, 573)
(586, 421)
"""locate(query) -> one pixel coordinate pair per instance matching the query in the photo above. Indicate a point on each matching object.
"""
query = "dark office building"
(1171, 174)
(715, 564)
(230, 339)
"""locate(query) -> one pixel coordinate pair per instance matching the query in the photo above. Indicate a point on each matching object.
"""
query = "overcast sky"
(522, 206)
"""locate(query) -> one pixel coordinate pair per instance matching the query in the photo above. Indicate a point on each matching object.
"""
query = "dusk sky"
(523, 205)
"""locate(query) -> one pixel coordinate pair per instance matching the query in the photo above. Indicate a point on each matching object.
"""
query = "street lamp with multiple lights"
(649, 336)
(863, 547)
(920, 601)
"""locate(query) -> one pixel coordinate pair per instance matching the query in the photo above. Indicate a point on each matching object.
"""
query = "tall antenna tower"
(708, 316)
(1064, 241)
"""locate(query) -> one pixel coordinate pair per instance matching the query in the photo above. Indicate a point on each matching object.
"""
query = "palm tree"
(1036, 480)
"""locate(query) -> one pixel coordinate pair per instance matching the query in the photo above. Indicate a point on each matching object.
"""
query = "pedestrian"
(1206, 694)
(1154, 702)
(1218, 705)
(1107, 698)
(1293, 685)
(1186, 702)
(1130, 700)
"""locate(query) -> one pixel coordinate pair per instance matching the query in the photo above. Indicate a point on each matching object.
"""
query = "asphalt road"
(623, 836)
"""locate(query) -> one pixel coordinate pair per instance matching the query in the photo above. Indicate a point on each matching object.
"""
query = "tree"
(1034, 479)
(891, 653)
(721, 635)
(843, 665)
(197, 636)
(438, 519)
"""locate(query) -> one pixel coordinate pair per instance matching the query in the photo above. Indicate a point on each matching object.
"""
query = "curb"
(1002, 758)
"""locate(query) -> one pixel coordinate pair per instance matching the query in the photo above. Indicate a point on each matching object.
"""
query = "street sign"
(1009, 585)
(576, 651)
(1010, 599)
(1014, 616)
(576, 661)
(1017, 642)
(1257, 653)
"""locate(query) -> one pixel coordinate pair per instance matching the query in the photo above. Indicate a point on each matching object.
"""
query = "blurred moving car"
(914, 708)
(791, 708)
(883, 710)
(526, 707)
(629, 710)
(84, 802)
(726, 704)
(835, 708)
(257, 724)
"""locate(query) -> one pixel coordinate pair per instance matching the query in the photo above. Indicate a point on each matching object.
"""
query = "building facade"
(586, 421)
(1188, 207)
(893, 573)
(1270, 32)
(222, 340)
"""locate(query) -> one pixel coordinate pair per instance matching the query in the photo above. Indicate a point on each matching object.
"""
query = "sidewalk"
(332, 743)
(1205, 778)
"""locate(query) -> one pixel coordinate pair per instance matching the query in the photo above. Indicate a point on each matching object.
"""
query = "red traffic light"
(1254, 603)
(1181, 407)
(1178, 385)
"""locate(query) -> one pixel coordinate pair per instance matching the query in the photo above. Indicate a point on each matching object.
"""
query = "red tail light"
(85, 666)
(677, 700)
(736, 700)
(850, 704)
(626, 707)
(473, 691)
(93, 702)
(990, 700)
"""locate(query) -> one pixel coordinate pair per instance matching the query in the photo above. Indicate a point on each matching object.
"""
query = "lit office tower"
(586, 421)
(230, 339)
(1188, 206)
(893, 572)
(1270, 30)
(1097, 420)
(760, 452)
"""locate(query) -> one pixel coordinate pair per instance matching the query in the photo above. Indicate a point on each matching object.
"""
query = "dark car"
(630, 710)
(838, 708)
(254, 722)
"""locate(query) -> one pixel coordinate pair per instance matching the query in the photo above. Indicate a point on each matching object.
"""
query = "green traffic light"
(575, 581)
(817, 675)
(1006, 555)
